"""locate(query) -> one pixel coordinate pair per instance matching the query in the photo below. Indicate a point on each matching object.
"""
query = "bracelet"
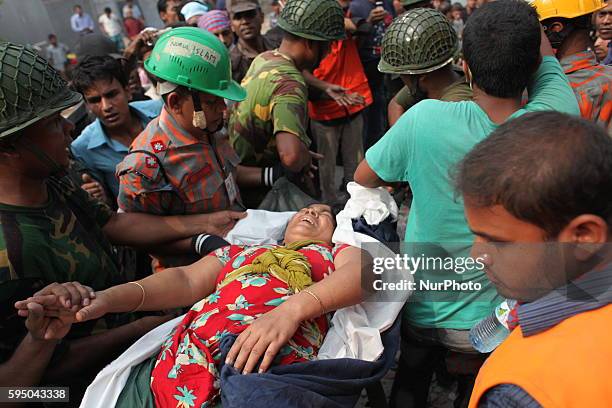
(143, 296)
(317, 299)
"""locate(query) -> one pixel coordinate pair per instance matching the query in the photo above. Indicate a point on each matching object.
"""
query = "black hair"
(545, 168)
(162, 5)
(501, 45)
(95, 68)
(107, 10)
(51, 36)
(181, 90)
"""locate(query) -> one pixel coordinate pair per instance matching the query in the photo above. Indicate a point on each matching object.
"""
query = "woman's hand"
(70, 296)
(97, 308)
(265, 337)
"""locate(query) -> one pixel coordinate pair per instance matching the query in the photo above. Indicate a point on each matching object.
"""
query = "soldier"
(268, 128)
(51, 231)
(246, 20)
(420, 46)
(182, 163)
(568, 25)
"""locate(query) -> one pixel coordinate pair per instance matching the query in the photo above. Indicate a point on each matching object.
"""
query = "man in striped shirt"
(568, 25)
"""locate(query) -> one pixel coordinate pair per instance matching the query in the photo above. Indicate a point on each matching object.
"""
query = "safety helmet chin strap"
(55, 169)
(199, 118)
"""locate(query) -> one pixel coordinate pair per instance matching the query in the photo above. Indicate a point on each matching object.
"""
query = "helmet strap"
(199, 117)
(557, 38)
(415, 90)
(56, 169)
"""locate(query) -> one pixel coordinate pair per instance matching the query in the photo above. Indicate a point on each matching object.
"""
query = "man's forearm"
(180, 247)
(395, 111)
(247, 176)
(316, 84)
(365, 176)
(145, 230)
(28, 364)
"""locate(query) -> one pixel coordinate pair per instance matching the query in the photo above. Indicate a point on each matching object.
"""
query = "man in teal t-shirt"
(502, 46)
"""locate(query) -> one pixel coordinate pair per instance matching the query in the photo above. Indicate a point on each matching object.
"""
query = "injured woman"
(276, 298)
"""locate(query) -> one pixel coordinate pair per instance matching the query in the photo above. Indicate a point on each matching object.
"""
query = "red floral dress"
(185, 374)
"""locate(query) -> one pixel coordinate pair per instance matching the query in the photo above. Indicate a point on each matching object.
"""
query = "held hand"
(93, 188)
(67, 296)
(97, 308)
(264, 338)
(42, 327)
(221, 222)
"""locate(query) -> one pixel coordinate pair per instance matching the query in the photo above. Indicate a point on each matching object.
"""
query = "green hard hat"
(30, 89)
(421, 40)
(195, 59)
(319, 20)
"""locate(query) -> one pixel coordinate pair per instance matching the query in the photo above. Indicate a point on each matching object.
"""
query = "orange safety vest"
(569, 365)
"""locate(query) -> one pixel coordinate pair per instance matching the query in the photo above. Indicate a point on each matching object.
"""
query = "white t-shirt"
(112, 24)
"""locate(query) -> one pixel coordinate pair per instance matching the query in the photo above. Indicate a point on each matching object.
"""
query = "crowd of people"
(489, 123)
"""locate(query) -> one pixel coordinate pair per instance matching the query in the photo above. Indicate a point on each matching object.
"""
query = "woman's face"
(315, 222)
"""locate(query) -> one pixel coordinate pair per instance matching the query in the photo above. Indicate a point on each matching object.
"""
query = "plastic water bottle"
(490, 332)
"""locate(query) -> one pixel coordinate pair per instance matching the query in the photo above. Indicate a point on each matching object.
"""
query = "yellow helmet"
(566, 8)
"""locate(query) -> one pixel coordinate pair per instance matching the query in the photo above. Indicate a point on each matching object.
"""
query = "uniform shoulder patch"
(158, 146)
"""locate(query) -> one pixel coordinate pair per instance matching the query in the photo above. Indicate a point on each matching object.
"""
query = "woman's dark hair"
(544, 168)
(93, 69)
(501, 45)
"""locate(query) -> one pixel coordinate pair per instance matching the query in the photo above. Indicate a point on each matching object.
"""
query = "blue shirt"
(608, 59)
(101, 154)
(80, 23)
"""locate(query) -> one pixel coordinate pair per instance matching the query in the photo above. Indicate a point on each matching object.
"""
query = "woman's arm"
(173, 287)
(170, 288)
(266, 335)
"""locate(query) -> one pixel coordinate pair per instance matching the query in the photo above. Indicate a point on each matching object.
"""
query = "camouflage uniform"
(276, 102)
(60, 242)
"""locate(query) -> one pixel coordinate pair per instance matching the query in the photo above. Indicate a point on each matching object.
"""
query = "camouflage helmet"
(421, 40)
(30, 89)
(413, 3)
(319, 20)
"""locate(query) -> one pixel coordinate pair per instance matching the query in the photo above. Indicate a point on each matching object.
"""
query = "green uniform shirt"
(276, 102)
(422, 148)
(456, 92)
(61, 241)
